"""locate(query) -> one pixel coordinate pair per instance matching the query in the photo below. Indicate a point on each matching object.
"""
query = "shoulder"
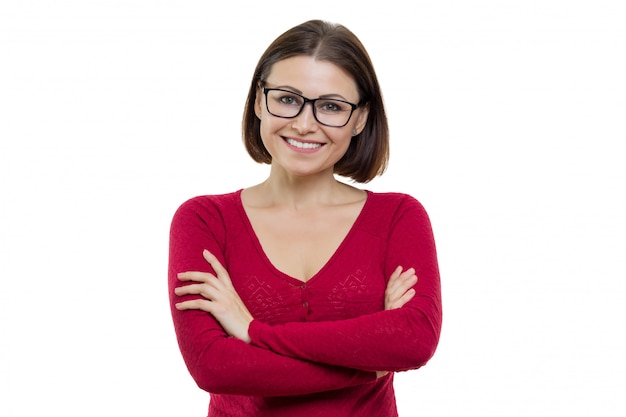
(207, 206)
(388, 211)
(400, 215)
(394, 202)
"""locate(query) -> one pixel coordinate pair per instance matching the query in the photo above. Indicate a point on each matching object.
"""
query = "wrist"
(246, 333)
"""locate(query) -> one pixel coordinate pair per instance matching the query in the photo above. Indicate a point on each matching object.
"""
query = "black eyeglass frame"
(305, 101)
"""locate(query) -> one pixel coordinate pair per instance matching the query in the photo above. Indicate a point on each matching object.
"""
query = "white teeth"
(303, 145)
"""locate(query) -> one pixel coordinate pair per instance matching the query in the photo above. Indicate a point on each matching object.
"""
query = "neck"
(305, 192)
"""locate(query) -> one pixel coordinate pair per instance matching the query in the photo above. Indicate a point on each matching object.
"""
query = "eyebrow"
(295, 90)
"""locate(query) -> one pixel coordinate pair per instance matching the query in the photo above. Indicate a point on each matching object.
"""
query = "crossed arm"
(220, 299)
(229, 352)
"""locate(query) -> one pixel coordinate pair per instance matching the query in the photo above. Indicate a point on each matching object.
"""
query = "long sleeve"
(219, 363)
(394, 340)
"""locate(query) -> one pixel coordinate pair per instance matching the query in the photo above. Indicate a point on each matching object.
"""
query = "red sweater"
(315, 345)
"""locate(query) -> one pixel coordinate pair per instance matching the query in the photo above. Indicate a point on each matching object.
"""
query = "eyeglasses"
(327, 111)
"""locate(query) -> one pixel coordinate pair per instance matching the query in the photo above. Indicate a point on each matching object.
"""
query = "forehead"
(313, 77)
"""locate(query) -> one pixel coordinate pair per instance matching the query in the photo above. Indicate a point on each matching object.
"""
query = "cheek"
(266, 127)
(272, 127)
(342, 138)
(269, 132)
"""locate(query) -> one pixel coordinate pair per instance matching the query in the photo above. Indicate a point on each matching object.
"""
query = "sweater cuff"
(256, 330)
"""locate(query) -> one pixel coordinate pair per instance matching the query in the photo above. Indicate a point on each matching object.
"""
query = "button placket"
(304, 296)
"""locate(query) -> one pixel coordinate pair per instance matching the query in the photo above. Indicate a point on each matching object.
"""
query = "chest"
(301, 244)
(343, 289)
(315, 266)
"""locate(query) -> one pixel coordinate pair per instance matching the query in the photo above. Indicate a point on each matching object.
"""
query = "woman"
(299, 296)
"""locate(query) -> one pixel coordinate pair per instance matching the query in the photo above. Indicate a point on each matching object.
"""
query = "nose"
(305, 122)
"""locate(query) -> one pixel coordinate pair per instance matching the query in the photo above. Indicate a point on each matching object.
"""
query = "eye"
(331, 106)
(289, 99)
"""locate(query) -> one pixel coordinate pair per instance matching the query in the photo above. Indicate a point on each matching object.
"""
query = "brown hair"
(368, 153)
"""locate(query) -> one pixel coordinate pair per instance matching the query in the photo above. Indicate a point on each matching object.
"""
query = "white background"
(508, 122)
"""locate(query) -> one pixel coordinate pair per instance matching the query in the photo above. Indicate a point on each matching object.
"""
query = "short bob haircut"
(368, 153)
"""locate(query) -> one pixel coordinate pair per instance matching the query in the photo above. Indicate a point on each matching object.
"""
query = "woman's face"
(301, 145)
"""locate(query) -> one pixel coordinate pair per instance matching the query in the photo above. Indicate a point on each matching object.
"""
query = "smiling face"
(302, 146)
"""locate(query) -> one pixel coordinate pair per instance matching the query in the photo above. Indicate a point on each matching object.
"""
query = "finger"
(408, 296)
(405, 282)
(393, 279)
(219, 269)
(198, 304)
(400, 296)
(396, 273)
(188, 289)
(401, 291)
(208, 291)
(407, 274)
(405, 298)
(400, 282)
(195, 276)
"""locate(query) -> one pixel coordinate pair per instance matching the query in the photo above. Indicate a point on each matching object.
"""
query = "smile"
(303, 145)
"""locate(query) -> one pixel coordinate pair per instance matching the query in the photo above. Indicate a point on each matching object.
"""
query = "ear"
(257, 102)
(361, 119)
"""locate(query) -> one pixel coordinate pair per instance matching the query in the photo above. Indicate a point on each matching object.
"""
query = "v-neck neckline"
(326, 265)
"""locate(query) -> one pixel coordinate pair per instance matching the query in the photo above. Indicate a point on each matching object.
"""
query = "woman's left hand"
(219, 298)
(399, 289)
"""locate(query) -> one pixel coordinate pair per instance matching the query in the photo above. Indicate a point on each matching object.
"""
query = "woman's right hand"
(218, 298)
(400, 288)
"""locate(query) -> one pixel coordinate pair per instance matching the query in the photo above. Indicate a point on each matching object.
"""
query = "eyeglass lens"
(330, 112)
